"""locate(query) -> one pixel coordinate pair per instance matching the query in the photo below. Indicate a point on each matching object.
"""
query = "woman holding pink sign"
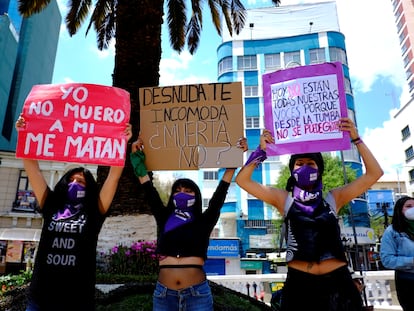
(318, 278)
(73, 214)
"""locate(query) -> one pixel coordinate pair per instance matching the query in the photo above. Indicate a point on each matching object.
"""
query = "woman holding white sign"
(318, 278)
(184, 232)
(73, 214)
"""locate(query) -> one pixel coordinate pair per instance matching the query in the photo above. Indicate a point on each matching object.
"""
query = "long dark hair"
(398, 219)
(187, 183)
(91, 191)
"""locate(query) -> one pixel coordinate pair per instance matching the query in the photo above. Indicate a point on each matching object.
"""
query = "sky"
(374, 59)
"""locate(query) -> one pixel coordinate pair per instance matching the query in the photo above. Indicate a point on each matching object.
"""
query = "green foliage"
(110, 278)
(130, 303)
(333, 176)
(11, 281)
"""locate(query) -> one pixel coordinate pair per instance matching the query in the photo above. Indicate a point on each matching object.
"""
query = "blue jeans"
(197, 297)
(32, 306)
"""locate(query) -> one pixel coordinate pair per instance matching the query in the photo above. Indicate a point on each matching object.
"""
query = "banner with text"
(74, 122)
(303, 106)
(187, 127)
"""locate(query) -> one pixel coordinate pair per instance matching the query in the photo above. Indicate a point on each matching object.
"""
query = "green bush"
(11, 281)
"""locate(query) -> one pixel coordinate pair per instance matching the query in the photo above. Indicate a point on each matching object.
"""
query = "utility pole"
(384, 208)
(385, 211)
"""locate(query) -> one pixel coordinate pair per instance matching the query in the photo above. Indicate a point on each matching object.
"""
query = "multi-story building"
(27, 57)
(276, 38)
(404, 19)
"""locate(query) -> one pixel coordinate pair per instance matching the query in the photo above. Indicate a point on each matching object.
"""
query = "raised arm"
(373, 170)
(270, 195)
(110, 185)
(36, 178)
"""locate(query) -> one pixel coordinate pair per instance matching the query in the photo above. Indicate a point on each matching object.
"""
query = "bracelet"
(357, 141)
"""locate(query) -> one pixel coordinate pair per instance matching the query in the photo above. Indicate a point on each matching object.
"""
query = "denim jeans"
(197, 297)
(32, 306)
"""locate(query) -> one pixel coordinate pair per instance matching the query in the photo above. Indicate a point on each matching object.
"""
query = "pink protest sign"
(303, 106)
(74, 122)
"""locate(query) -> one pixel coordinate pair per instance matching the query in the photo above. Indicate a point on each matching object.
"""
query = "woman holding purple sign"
(183, 236)
(73, 214)
(318, 278)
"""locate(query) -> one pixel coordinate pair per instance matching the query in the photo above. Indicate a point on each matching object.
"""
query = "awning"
(20, 234)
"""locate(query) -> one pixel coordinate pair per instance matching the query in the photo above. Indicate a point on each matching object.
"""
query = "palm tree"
(136, 25)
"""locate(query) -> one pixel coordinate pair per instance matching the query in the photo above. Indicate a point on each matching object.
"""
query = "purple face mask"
(76, 192)
(306, 176)
(183, 200)
(183, 214)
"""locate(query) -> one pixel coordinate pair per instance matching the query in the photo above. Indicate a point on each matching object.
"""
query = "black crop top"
(191, 239)
(313, 237)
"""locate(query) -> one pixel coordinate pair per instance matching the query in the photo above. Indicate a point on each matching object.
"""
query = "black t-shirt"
(65, 264)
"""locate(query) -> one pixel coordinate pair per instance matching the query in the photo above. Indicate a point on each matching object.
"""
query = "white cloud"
(385, 147)
(372, 42)
(176, 70)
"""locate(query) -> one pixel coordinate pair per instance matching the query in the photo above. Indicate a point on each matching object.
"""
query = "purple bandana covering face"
(76, 194)
(306, 176)
(183, 214)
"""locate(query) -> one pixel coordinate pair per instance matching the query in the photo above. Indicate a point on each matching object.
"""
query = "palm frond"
(194, 26)
(215, 15)
(29, 7)
(238, 14)
(276, 2)
(193, 33)
(78, 12)
(103, 21)
(177, 20)
(225, 10)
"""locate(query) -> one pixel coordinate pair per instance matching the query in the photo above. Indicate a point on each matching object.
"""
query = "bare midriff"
(317, 268)
(177, 278)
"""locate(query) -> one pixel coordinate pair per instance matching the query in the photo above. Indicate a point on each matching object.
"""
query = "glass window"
(405, 132)
(210, 175)
(251, 91)
(292, 59)
(337, 55)
(225, 65)
(411, 175)
(246, 62)
(347, 85)
(25, 200)
(409, 153)
(272, 61)
(317, 56)
(406, 59)
(252, 122)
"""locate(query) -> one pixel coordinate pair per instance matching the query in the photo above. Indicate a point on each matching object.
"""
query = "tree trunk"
(137, 60)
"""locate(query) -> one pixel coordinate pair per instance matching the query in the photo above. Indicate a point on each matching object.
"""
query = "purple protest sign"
(302, 107)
